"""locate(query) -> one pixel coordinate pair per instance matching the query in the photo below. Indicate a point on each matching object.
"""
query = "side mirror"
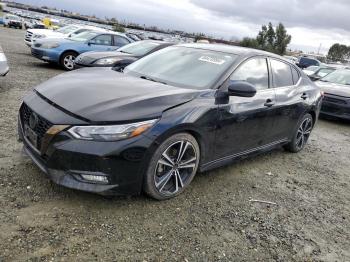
(314, 77)
(242, 89)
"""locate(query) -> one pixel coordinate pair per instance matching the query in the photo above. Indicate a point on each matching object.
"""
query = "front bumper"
(47, 55)
(4, 68)
(66, 159)
(335, 106)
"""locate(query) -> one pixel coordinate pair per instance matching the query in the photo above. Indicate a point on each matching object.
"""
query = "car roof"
(237, 50)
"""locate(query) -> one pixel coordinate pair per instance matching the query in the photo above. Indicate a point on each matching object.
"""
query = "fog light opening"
(96, 179)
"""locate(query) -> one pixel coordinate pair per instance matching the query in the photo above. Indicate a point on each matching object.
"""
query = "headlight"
(107, 61)
(50, 45)
(111, 133)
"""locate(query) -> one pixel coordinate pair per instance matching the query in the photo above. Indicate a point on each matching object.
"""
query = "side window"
(282, 74)
(78, 31)
(295, 75)
(120, 41)
(102, 40)
(255, 72)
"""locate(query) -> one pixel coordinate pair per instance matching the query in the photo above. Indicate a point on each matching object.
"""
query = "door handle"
(304, 96)
(269, 103)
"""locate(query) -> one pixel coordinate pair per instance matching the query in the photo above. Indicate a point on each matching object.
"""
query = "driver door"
(245, 122)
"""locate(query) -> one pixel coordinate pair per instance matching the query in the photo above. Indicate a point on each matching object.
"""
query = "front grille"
(334, 100)
(28, 36)
(42, 126)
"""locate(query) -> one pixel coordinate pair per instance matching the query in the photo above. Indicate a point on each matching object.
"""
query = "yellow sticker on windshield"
(212, 60)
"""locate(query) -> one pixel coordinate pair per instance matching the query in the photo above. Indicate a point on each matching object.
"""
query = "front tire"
(301, 135)
(67, 60)
(172, 167)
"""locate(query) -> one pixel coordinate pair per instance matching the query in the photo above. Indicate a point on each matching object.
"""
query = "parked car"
(33, 24)
(64, 51)
(321, 72)
(12, 21)
(4, 68)
(64, 32)
(122, 57)
(336, 88)
(180, 110)
(293, 59)
(305, 62)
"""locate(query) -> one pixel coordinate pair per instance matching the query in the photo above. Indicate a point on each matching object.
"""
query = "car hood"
(334, 89)
(46, 32)
(88, 58)
(97, 55)
(103, 95)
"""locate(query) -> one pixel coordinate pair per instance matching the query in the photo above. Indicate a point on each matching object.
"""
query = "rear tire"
(172, 167)
(67, 60)
(301, 135)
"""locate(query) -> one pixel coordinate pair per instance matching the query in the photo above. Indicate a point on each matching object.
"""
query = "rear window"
(282, 74)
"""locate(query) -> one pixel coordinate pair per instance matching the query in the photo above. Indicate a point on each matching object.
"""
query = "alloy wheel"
(174, 168)
(68, 62)
(303, 133)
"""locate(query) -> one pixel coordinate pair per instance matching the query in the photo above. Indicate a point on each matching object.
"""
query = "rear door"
(290, 97)
(245, 123)
(102, 42)
(119, 41)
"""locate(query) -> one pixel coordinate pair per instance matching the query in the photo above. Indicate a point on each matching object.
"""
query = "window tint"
(102, 40)
(296, 75)
(120, 41)
(282, 74)
(253, 71)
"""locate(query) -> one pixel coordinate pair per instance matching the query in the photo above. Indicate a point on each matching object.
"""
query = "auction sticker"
(212, 60)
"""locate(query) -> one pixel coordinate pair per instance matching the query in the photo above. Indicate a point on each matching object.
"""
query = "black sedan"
(183, 109)
(336, 88)
(121, 57)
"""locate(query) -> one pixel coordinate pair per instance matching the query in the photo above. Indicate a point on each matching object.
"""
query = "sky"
(311, 23)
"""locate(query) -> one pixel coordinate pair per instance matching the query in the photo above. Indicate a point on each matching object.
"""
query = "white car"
(64, 32)
(13, 21)
(4, 68)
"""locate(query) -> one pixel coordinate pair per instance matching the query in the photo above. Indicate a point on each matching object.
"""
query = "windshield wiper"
(323, 80)
(153, 80)
(121, 51)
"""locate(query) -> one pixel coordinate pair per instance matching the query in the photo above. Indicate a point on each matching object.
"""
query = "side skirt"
(239, 156)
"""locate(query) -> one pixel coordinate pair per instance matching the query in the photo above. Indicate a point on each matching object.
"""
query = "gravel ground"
(212, 221)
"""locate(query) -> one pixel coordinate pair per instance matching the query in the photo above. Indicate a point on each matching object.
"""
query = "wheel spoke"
(188, 164)
(165, 162)
(182, 150)
(165, 155)
(165, 179)
(179, 178)
(176, 183)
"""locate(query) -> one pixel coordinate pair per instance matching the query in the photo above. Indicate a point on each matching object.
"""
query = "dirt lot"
(212, 220)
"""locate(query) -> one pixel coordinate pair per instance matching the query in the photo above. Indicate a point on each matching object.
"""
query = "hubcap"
(68, 61)
(175, 166)
(304, 132)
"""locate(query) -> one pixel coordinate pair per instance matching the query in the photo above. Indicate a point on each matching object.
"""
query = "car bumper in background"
(4, 68)
(66, 159)
(47, 55)
(336, 106)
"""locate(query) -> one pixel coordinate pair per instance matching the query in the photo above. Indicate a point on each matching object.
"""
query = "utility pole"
(319, 49)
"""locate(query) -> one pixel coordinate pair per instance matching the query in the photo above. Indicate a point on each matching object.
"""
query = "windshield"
(139, 48)
(312, 68)
(67, 29)
(183, 66)
(13, 17)
(84, 36)
(341, 77)
(325, 71)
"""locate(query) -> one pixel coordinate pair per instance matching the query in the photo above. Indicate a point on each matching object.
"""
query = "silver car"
(4, 68)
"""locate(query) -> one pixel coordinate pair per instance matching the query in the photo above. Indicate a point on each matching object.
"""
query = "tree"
(118, 28)
(269, 39)
(282, 39)
(249, 42)
(261, 38)
(339, 52)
